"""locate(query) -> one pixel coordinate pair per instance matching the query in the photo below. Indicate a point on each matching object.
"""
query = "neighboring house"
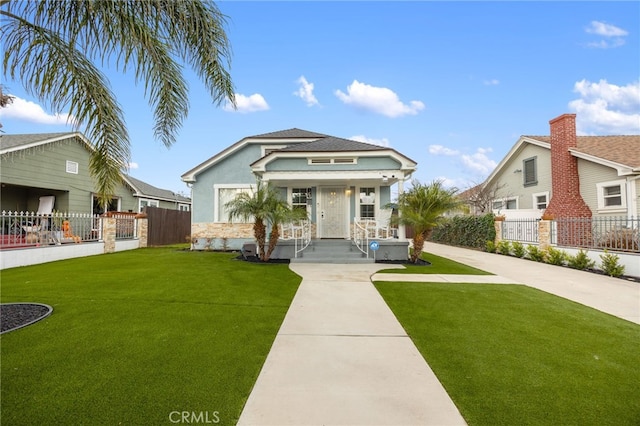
(35, 165)
(335, 180)
(566, 175)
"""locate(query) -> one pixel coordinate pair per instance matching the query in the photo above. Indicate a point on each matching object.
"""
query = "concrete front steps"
(332, 251)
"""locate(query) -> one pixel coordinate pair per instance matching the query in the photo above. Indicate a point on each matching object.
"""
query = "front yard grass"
(513, 355)
(135, 336)
(439, 265)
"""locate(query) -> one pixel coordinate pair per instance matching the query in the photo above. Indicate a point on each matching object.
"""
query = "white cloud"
(247, 104)
(362, 138)
(605, 30)
(479, 162)
(492, 82)
(377, 99)
(442, 150)
(459, 183)
(613, 34)
(305, 91)
(133, 166)
(22, 109)
(607, 108)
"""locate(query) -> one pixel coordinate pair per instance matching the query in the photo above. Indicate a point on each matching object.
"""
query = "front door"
(333, 213)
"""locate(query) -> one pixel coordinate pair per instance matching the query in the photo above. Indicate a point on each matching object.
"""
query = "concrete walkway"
(610, 295)
(342, 358)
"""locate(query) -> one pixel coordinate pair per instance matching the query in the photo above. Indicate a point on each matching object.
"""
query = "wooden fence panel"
(167, 226)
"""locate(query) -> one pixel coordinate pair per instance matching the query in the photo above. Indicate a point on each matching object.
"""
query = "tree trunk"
(260, 232)
(418, 244)
(274, 235)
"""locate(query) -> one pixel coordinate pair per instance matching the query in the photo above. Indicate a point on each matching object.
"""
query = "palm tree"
(264, 206)
(422, 207)
(280, 212)
(53, 46)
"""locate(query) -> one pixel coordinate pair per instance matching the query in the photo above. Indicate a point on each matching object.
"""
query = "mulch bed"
(18, 315)
(420, 262)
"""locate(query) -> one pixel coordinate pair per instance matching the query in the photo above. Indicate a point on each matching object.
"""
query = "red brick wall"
(566, 200)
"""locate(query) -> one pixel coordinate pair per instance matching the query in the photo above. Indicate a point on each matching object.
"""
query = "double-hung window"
(540, 200)
(530, 175)
(300, 198)
(611, 195)
(145, 202)
(368, 203)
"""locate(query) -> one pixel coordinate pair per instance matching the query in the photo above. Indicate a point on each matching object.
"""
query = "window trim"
(216, 197)
(534, 182)
(504, 201)
(534, 201)
(600, 187)
(308, 200)
(72, 167)
(323, 161)
(359, 203)
(150, 202)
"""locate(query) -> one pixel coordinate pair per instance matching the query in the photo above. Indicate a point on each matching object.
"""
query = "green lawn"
(513, 355)
(439, 265)
(137, 335)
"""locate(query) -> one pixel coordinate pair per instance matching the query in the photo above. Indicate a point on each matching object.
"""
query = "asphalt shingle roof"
(290, 133)
(621, 149)
(152, 191)
(332, 144)
(12, 141)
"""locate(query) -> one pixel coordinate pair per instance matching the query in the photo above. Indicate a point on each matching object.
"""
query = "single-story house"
(57, 164)
(565, 175)
(335, 180)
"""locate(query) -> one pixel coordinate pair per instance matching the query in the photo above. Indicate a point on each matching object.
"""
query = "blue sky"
(451, 85)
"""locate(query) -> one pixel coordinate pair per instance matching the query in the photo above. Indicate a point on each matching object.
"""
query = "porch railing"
(361, 236)
(29, 229)
(299, 232)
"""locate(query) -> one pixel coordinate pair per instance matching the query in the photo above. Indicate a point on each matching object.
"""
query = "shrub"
(504, 247)
(467, 231)
(556, 256)
(534, 253)
(518, 249)
(610, 265)
(580, 261)
(490, 247)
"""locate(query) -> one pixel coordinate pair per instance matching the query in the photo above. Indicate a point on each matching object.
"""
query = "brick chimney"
(566, 200)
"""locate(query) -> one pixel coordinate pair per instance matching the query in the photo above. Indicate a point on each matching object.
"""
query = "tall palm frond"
(52, 47)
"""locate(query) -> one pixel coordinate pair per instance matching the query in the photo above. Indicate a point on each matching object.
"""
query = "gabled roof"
(143, 189)
(621, 152)
(621, 149)
(301, 140)
(10, 143)
(19, 142)
(290, 133)
(332, 144)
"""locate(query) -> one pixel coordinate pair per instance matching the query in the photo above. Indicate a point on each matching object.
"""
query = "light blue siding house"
(335, 180)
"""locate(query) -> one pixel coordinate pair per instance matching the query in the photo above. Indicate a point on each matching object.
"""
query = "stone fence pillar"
(142, 227)
(497, 224)
(544, 234)
(109, 234)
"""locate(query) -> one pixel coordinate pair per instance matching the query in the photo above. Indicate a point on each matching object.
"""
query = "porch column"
(402, 232)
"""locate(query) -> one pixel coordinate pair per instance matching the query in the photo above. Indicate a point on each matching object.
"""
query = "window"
(72, 167)
(184, 207)
(144, 203)
(505, 203)
(368, 203)
(540, 200)
(300, 197)
(611, 195)
(222, 195)
(530, 172)
(341, 160)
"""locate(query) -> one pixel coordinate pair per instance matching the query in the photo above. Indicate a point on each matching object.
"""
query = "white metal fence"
(28, 229)
(612, 233)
